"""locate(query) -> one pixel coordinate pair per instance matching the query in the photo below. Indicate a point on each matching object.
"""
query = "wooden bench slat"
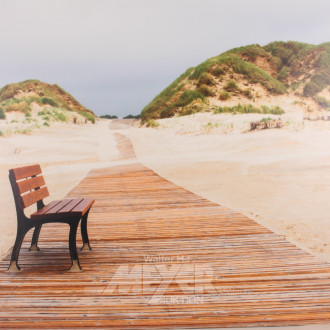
(58, 207)
(45, 209)
(84, 206)
(23, 186)
(33, 197)
(25, 172)
(69, 207)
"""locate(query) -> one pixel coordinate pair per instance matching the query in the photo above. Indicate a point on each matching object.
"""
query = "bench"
(29, 187)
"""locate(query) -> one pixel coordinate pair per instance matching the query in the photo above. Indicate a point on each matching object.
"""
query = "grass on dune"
(300, 64)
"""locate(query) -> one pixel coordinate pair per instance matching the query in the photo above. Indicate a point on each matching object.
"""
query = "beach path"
(162, 257)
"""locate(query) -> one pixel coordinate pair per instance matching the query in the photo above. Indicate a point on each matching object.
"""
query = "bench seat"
(64, 208)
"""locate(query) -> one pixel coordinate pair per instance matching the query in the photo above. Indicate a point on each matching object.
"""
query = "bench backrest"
(28, 185)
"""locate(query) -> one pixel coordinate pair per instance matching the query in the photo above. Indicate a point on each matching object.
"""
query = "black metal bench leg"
(13, 267)
(75, 266)
(84, 234)
(35, 237)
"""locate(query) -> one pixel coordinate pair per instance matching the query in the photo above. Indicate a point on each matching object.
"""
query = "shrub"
(28, 115)
(2, 133)
(295, 85)
(132, 117)
(206, 90)
(283, 74)
(248, 93)
(218, 71)
(187, 97)
(59, 116)
(323, 102)
(152, 123)
(224, 96)
(16, 105)
(311, 88)
(46, 124)
(231, 86)
(49, 101)
(109, 117)
(2, 114)
(167, 112)
(206, 79)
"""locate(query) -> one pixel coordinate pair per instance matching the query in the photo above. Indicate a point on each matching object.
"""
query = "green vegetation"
(231, 86)
(2, 114)
(19, 96)
(283, 74)
(271, 66)
(206, 90)
(109, 117)
(14, 104)
(187, 97)
(59, 116)
(206, 79)
(247, 93)
(224, 96)
(162, 100)
(152, 123)
(217, 71)
(49, 101)
(249, 108)
(132, 117)
(89, 116)
(323, 102)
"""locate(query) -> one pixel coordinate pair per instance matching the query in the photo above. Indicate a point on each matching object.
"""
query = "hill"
(49, 103)
(248, 79)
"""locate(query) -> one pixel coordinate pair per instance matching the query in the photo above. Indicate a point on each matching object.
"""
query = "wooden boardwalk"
(162, 257)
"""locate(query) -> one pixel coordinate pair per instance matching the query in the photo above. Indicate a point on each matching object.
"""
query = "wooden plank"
(33, 197)
(83, 206)
(69, 207)
(25, 172)
(23, 186)
(39, 213)
(58, 207)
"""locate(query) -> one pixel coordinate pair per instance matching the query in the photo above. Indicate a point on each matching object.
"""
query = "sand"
(279, 177)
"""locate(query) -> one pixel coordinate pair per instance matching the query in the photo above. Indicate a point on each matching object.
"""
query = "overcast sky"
(114, 56)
